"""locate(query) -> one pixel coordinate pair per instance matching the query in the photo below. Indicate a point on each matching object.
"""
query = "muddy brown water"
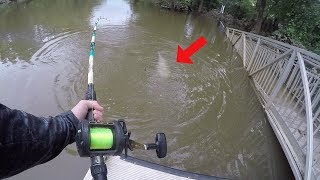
(209, 112)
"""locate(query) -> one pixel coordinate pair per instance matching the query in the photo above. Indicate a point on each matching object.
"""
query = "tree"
(200, 6)
(299, 20)
(261, 5)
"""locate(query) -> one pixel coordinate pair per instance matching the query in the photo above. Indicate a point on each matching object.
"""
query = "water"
(209, 112)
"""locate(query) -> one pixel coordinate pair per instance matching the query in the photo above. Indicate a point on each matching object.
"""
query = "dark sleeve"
(27, 140)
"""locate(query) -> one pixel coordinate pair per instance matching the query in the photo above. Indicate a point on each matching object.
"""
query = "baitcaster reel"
(99, 139)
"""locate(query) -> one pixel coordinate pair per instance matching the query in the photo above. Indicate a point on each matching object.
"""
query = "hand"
(81, 110)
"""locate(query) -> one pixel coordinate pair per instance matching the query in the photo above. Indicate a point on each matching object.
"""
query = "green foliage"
(207, 4)
(180, 5)
(211, 4)
(241, 8)
(299, 20)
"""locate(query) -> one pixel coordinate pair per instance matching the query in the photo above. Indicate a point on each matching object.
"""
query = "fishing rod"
(96, 140)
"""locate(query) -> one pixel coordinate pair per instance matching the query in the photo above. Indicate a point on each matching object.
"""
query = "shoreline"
(232, 22)
(247, 26)
(5, 2)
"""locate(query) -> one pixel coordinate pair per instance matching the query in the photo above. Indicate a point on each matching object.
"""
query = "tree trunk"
(200, 6)
(261, 5)
(172, 5)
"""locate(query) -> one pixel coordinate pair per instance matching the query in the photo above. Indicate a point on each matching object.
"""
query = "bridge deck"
(135, 169)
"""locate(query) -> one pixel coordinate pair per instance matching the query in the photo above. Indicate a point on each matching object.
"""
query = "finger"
(94, 104)
(97, 115)
(97, 106)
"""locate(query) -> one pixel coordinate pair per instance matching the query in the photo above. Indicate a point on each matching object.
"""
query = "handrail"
(287, 80)
(308, 168)
(313, 55)
(273, 61)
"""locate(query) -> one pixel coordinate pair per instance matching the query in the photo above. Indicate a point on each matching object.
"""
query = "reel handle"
(151, 146)
(160, 145)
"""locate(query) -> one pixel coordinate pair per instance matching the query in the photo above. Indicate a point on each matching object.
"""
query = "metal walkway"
(132, 168)
(287, 82)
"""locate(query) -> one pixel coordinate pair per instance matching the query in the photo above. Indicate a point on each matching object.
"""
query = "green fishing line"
(101, 138)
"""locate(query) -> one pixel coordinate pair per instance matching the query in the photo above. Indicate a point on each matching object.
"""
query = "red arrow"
(183, 56)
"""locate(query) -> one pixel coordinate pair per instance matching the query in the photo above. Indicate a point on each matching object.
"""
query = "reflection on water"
(116, 13)
(162, 66)
(213, 121)
(188, 27)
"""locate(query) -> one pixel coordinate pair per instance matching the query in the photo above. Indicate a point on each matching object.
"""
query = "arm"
(27, 140)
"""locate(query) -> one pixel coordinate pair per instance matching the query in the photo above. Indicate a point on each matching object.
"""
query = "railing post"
(307, 101)
(283, 77)
(232, 36)
(244, 50)
(227, 32)
(254, 54)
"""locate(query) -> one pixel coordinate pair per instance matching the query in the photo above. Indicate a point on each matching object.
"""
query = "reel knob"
(160, 145)
(161, 142)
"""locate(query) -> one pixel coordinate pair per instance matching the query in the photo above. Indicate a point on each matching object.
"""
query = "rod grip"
(99, 172)
(100, 177)
(89, 116)
(90, 95)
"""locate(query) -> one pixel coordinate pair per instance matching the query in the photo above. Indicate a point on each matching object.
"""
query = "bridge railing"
(287, 81)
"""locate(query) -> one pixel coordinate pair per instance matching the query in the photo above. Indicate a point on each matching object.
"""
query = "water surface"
(209, 112)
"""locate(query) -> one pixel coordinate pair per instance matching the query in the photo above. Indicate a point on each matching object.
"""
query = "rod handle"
(90, 95)
(89, 116)
(98, 168)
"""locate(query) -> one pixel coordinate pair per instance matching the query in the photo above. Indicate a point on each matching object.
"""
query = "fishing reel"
(99, 139)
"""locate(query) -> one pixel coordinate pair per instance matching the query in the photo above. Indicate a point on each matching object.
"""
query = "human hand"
(81, 110)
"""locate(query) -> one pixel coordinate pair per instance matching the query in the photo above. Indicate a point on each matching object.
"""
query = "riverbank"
(230, 21)
(3, 2)
(248, 25)
(6, 2)
(269, 28)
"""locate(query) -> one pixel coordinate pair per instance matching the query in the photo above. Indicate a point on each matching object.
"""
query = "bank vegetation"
(295, 22)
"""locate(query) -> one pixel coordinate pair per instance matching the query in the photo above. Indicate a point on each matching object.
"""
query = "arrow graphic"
(183, 56)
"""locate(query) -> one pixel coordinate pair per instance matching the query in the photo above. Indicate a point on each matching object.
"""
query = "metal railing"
(287, 82)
